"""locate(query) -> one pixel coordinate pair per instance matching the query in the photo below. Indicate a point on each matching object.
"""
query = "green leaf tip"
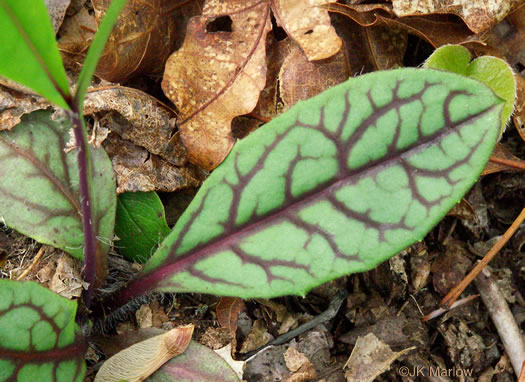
(492, 71)
(29, 51)
(39, 339)
(39, 186)
(336, 185)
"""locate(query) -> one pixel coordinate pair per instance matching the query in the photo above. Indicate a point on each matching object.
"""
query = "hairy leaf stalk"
(91, 261)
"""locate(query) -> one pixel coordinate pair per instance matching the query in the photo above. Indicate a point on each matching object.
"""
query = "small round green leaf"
(39, 339)
(141, 225)
(492, 71)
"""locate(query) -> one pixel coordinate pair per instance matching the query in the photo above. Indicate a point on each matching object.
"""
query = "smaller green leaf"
(39, 339)
(39, 185)
(140, 225)
(492, 71)
(95, 50)
(28, 50)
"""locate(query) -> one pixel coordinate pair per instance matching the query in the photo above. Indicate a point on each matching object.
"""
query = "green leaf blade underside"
(39, 339)
(336, 185)
(28, 50)
(39, 187)
(95, 50)
(141, 225)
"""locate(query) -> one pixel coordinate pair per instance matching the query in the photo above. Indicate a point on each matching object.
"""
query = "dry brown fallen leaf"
(519, 111)
(218, 75)
(139, 361)
(370, 358)
(479, 15)
(303, 370)
(142, 39)
(138, 117)
(228, 310)
(436, 29)
(502, 153)
(257, 337)
(138, 170)
(75, 36)
(309, 25)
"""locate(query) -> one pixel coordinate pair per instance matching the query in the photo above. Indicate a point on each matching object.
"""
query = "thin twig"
(327, 315)
(503, 319)
(521, 378)
(438, 312)
(453, 295)
(508, 162)
(36, 259)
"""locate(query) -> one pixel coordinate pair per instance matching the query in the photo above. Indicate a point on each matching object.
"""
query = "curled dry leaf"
(228, 310)
(479, 15)
(218, 75)
(139, 361)
(14, 104)
(519, 111)
(436, 29)
(309, 25)
(137, 117)
(138, 170)
(141, 40)
(75, 36)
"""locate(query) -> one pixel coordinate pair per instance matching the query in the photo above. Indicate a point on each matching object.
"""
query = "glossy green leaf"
(95, 50)
(336, 185)
(197, 364)
(141, 225)
(28, 50)
(39, 187)
(492, 71)
(39, 339)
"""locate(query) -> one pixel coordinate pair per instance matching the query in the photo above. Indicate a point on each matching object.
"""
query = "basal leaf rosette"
(39, 339)
(336, 185)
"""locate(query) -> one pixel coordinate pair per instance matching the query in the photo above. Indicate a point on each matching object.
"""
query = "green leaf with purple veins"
(39, 187)
(39, 339)
(336, 185)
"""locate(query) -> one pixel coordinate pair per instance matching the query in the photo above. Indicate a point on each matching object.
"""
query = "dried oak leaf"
(217, 75)
(138, 170)
(309, 25)
(137, 117)
(479, 15)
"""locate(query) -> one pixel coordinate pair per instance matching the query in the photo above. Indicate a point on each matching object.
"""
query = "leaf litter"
(459, 342)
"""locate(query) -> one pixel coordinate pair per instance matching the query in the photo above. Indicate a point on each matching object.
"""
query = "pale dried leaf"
(309, 25)
(139, 361)
(294, 359)
(137, 117)
(144, 317)
(257, 337)
(14, 104)
(66, 280)
(217, 76)
(226, 355)
(57, 11)
(479, 15)
(370, 358)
